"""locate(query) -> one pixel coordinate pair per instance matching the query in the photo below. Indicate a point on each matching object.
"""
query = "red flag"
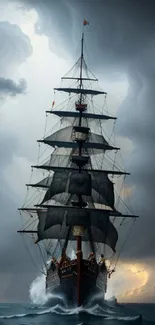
(53, 103)
(85, 22)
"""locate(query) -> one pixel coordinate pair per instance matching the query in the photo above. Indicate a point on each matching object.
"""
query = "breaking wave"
(39, 306)
(38, 295)
(97, 311)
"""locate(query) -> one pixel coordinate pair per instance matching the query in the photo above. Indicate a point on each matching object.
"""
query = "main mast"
(81, 64)
(79, 241)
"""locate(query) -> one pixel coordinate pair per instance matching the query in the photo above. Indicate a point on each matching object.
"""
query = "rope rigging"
(101, 158)
(124, 243)
(31, 258)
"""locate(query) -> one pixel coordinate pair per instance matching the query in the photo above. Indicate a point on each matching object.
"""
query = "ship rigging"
(77, 202)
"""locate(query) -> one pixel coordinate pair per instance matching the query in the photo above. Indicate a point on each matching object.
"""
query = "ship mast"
(79, 241)
(81, 64)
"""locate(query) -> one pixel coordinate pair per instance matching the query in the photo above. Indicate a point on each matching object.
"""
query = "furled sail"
(81, 91)
(84, 115)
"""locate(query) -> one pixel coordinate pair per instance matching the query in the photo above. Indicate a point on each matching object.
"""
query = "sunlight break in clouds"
(129, 282)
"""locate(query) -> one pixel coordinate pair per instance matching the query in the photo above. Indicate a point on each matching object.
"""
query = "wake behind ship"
(75, 219)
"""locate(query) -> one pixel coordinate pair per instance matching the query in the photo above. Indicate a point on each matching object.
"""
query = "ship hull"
(63, 281)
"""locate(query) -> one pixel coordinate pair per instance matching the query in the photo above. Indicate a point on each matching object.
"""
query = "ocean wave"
(96, 310)
(48, 311)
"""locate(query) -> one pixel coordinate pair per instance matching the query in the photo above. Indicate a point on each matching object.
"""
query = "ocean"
(109, 314)
(47, 309)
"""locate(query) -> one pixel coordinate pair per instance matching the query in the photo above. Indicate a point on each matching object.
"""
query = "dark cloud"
(9, 87)
(15, 48)
(118, 31)
(120, 39)
(54, 21)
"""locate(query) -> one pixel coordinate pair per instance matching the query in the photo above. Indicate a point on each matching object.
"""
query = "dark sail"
(54, 224)
(75, 183)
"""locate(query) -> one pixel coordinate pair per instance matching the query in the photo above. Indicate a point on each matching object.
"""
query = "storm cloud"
(9, 87)
(14, 50)
(120, 40)
(122, 35)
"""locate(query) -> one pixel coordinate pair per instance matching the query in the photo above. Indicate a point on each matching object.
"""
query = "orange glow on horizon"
(130, 282)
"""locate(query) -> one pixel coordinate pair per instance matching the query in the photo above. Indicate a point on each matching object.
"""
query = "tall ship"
(74, 219)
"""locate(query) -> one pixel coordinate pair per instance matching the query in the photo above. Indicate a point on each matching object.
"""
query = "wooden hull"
(64, 281)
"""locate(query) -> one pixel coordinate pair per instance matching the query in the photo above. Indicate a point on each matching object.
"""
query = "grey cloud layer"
(15, 48)
(8, 86)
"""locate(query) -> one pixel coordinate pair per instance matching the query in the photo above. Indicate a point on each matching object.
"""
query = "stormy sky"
(39, 40)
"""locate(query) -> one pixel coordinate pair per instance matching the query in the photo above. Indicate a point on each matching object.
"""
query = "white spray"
(38, 293)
